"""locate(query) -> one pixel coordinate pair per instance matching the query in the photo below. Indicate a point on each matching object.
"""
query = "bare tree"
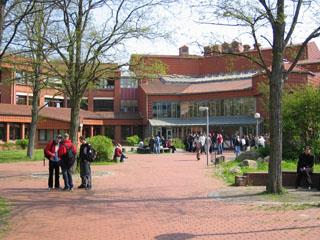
(12, 13)
(81, 43)
(275, 23)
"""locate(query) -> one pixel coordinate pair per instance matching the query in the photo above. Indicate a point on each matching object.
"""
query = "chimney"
(246, 47)
(183, 51)
(236, 47)
(255, 46)
(212, 50)
(225, 47)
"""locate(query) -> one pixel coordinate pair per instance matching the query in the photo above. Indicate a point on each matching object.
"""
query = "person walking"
(197, 147)
(157, 144)
(53, 152)
(220, 143)
(85, 168)
(237, 146)
(68, 158)
(305, 167)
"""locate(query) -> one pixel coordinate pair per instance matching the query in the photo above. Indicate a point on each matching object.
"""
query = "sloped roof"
(61, 114)
(158, 87)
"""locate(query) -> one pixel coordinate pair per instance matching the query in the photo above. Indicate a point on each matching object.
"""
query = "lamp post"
(257, 117)
(207, 150)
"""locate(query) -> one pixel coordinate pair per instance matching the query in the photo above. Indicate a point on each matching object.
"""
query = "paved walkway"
(161, 197)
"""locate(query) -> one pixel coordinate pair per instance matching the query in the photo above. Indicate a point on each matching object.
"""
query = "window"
(54, 102)
(21, 100)
(30, 99)
(43, 135)
(102, 105)
(166, 110)
(125, 132)
(106, 84)
(2, 132)
(15, 131)
(129, 106)
(128, 83)
(21, 77)
(109, 132)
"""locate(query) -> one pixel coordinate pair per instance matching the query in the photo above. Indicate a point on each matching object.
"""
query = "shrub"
(178, 143)
(133, 140)
(23, 143)
(264, 151)
(103, 146)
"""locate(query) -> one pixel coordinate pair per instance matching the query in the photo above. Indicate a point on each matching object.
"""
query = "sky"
(182, 23)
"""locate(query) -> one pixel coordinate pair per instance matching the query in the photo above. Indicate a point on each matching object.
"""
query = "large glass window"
(109, 132)
(15, 131)
(166, 110)
(125, 132)
(102, 105)
(43, 135)
(129, 106)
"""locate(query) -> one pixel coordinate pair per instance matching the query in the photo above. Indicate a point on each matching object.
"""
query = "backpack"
(91, 154)
(69, 157)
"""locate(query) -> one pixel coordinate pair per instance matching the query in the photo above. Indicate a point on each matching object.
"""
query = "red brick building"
(228, 85)
(119, 107)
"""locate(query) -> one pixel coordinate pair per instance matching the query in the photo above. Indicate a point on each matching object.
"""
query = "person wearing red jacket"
(54, 152)
(67, 163)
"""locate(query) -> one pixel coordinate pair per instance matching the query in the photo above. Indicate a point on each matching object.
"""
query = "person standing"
(68, 159)
(220, 143)
(157, 144)
(85, 168)
(53, 152)
(237, 145)
(305, 167)
(197, 147)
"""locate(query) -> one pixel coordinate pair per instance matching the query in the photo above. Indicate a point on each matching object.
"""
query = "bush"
(133, 140)
(264, 151)
(103, 146)
(178, 143)
(23, 143)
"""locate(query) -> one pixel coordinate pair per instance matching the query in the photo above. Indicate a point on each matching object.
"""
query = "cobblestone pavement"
(159, 197)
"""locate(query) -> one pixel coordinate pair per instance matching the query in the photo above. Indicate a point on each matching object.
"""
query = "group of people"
(61, 153)
(198, 142)
(246, 142)
(157, 143)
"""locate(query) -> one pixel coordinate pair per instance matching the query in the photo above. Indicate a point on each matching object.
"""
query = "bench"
(165, 150)
(143, 150)
(288, 179)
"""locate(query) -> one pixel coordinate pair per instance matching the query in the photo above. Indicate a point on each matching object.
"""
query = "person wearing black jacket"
(305, 167)
(85, 169)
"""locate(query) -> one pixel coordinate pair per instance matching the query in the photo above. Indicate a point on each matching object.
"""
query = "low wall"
(288, 179)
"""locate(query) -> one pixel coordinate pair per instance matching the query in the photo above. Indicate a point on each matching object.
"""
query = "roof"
(217, 121)
(62, 114)
(308, 61)
(158, 87)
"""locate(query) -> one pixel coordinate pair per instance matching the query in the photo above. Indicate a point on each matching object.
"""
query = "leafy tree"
(301, 121)
(279, 20)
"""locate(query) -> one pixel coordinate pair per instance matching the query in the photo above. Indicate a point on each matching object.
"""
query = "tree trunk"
(33, 125)
(274, 184)
(74, 120)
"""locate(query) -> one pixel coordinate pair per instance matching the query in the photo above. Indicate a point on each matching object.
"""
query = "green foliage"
(178, 143)
(264, 151)
(8, 156)
(133, 140)
(23, 143)
(103, 146)
(301, 121)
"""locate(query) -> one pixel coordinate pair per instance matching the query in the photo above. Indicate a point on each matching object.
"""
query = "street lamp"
(257, 117)
(201, 109)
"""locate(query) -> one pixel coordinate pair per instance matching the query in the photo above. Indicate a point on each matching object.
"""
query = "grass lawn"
(4, 212)
(7, 156)
(222, 169)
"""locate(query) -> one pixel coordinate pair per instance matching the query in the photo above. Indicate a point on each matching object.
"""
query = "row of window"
(245, 106)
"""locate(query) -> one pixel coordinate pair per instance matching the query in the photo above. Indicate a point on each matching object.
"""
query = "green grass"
(4, 212)
(222, 170)
(104, 163)
(8, 156)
